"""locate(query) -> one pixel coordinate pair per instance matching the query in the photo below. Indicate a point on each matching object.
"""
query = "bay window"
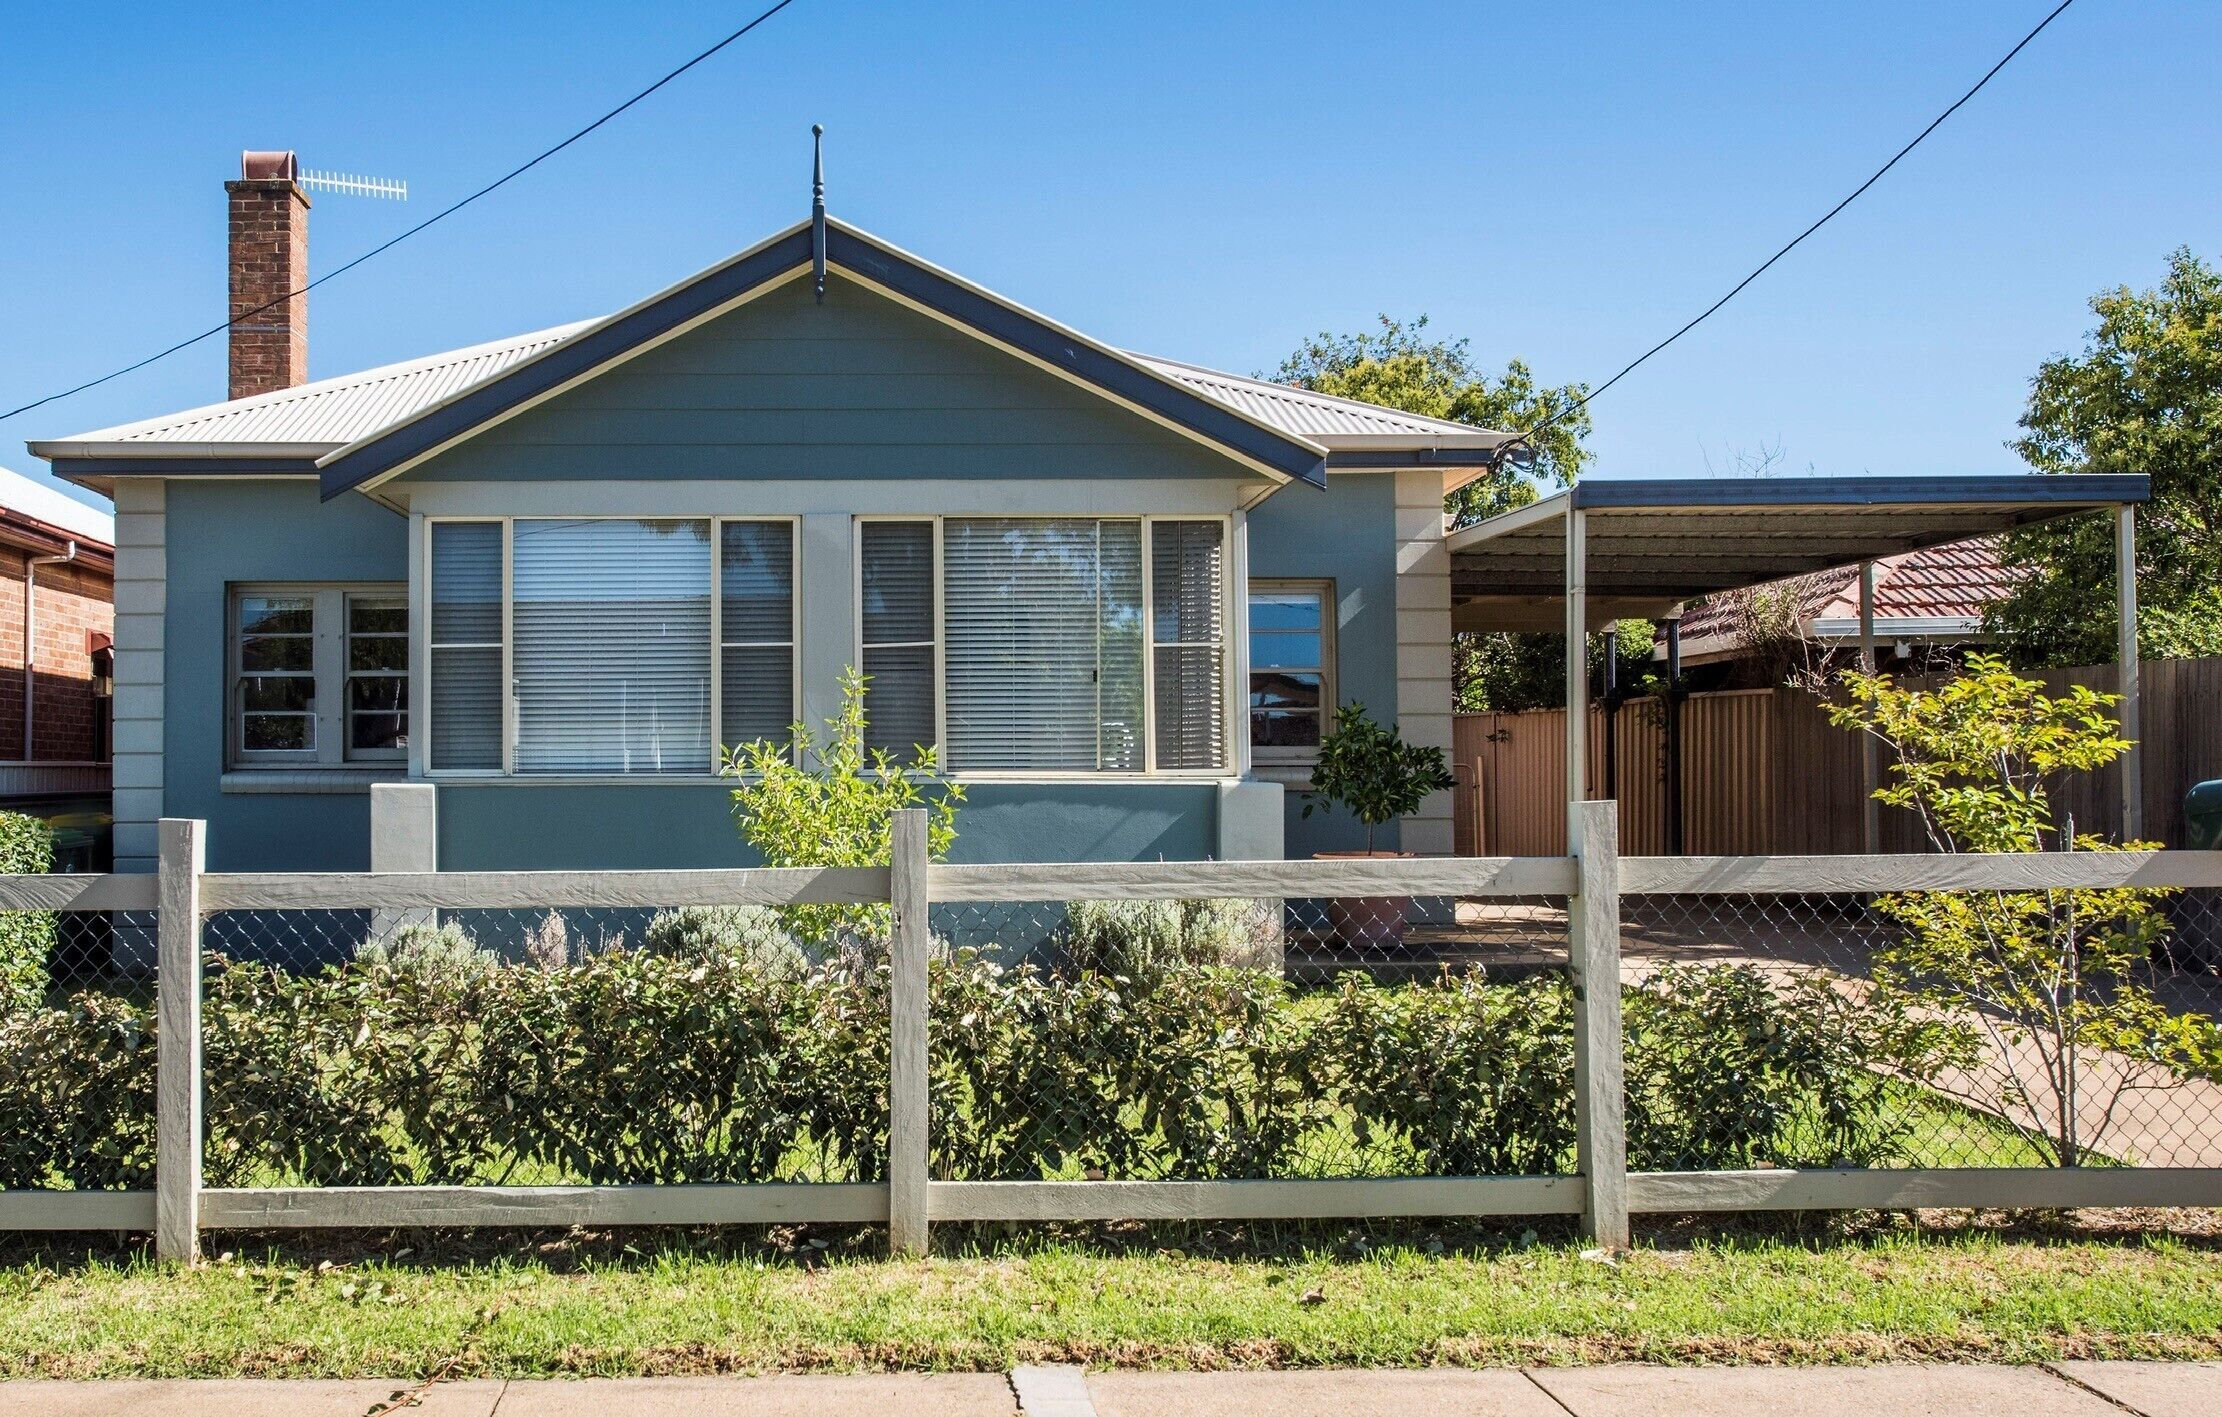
(1066, 644)
(607, 645)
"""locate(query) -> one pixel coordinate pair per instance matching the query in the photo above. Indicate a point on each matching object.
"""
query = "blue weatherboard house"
(551, 575)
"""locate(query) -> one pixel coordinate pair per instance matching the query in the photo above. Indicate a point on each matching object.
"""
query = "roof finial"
(818, 208)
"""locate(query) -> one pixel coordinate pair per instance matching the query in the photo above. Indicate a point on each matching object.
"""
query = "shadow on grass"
(1278, 1242)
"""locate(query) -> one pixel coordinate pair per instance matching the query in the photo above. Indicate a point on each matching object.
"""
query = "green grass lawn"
(1199, 1296)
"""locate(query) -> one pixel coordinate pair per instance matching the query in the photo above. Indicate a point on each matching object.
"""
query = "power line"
(518, 171)
(1857, 192)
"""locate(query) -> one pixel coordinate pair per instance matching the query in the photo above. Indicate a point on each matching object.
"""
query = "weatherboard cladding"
(861, 387)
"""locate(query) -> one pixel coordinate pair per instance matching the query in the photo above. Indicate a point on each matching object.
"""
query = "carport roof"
(1653, 543)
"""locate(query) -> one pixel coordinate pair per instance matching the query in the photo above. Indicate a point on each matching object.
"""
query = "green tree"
(1402, 366)
(2045, 987)
(2145, 395)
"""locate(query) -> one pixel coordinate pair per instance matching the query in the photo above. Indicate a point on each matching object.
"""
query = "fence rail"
(1586, 889)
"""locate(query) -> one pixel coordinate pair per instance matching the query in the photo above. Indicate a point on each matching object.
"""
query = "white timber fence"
(1586, 1036)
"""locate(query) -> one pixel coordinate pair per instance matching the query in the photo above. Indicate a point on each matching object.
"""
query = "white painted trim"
(764, 1203)
(1254, 1200)
(1817, 875)
(1971, 1188)
(88, 892)
(1293, 765)
(507, 890)
(76, 1210)
(665, 498)
(142, 596)
(1187, 880)
(1425, 699)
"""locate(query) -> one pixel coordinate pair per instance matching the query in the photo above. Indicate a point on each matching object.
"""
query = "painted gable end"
(859, 387)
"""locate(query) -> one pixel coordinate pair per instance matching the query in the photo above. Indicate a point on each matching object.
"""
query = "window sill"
(1287, 774)
(294, 782)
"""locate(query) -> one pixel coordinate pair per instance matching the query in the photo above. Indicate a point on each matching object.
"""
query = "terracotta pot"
(1376, 920)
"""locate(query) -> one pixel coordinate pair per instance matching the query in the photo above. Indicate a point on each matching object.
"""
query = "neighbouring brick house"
(60, 554)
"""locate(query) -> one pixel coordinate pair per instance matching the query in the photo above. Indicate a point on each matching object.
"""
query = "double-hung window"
(608, 645)
(1292, 654)
(318, 675)
(1065, 644)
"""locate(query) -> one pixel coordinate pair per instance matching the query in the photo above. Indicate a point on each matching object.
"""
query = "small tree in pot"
(1378, 777)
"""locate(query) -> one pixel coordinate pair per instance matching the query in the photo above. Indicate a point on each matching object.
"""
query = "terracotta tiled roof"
(1955, 580)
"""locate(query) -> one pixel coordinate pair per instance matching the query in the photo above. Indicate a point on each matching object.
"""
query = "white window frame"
(328, 676)
(1234, 727)
(420, 717)
(1324, 591)
(349, 674)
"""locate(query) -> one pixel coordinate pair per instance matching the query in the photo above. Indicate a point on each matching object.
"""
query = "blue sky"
(1211, 182)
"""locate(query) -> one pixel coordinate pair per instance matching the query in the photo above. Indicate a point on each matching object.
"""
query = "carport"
(1604, 550)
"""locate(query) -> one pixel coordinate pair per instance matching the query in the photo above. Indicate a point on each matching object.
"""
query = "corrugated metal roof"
(1321, 416)
(56, 508)
(329, 413)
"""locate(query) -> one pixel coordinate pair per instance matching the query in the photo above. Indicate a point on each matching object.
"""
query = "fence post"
(907, 1106)
(177, 1075)
(1600, 1120)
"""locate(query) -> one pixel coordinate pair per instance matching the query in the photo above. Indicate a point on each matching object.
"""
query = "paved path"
(1899, 1390)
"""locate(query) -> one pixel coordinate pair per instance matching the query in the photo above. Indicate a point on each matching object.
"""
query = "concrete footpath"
(1891, 1390)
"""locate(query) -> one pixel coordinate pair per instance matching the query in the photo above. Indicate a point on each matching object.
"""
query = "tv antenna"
(347, 184)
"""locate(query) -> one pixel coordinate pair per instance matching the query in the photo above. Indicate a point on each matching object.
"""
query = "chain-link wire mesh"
(540, 1047)
(1942, 1029)
(77, 1050)
(1246, 1039)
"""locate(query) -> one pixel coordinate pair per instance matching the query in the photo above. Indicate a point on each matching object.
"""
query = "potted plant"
(1378, 777)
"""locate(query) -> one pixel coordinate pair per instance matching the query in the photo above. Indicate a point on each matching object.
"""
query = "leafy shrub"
(1728, 1069)
(77, 1096)
(749, 936)
(632, 1066)
(444, 951)
(1477, 1079)
(1142, 939)
(26, 936)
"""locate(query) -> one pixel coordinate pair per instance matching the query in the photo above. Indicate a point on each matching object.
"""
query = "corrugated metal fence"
(1765, 773)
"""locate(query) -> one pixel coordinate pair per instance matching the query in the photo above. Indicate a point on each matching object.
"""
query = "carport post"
(1870, 750)
(1577, 667)
(2125, 657)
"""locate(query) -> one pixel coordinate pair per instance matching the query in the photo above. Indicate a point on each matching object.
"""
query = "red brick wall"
(73, 600)
(269, 258)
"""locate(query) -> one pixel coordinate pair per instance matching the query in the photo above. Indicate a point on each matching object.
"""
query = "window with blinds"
(465, 705)
(633, 646)
(611, 657)
(756, 632)
(896, 636)
(1051, 632)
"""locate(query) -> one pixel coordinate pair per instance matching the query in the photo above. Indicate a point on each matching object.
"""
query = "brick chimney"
(269, 258)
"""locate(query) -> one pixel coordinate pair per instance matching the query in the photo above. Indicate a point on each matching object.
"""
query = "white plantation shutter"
(1044, 643)
(466, 643)
(756, 630)
(1188, 634)
(897, 620)
(612, 653)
